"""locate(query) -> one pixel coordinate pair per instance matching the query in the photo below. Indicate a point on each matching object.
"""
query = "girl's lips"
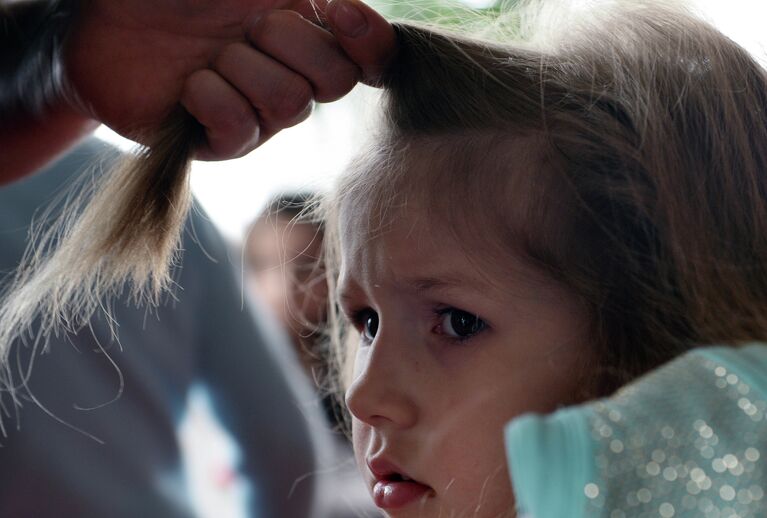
(394, 494)
(393, 488)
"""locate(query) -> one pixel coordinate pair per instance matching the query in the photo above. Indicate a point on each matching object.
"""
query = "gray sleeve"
(201, 334)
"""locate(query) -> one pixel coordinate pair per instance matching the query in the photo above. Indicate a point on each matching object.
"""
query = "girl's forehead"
(364, 241)
(485, 200)
(480, 189)
(416, 253)
(410, 255)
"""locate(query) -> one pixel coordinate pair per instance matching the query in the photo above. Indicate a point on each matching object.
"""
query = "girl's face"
(449, 352)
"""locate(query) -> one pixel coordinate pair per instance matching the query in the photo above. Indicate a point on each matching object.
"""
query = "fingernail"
(348, 19)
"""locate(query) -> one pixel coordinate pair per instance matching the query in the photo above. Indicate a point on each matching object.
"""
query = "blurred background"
(307, 158)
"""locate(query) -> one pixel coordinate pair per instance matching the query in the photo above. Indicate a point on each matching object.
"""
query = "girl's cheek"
(360, 435)
(360, 430)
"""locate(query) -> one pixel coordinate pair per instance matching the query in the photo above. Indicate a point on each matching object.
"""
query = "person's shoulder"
(747, 364)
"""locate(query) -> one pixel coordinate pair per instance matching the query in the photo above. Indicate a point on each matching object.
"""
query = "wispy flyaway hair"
(120, 233)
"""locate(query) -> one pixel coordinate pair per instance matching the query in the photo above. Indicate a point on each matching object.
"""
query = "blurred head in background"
(282, 259)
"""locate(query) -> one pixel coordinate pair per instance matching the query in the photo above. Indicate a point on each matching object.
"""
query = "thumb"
(366, 37)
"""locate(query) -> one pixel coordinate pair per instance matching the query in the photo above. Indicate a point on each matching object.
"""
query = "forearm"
(29, 143)
(37, 117)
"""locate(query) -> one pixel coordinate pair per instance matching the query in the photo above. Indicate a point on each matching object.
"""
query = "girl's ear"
(122, 233)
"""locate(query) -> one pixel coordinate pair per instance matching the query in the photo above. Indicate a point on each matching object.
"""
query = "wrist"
(28, 144)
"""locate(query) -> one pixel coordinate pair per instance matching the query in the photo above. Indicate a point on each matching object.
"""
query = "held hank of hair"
(122, 234)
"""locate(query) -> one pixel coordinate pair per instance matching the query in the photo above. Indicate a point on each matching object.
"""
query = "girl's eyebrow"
(448, 281)
(347, 290)
(344, 297)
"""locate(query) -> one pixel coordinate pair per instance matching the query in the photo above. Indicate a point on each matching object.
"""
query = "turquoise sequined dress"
(688, 440)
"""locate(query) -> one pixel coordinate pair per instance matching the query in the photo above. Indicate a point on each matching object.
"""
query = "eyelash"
(460, 339)
(360, 318)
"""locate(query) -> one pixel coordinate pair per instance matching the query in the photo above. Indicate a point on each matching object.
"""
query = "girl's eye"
(369, 321)
(460, 324)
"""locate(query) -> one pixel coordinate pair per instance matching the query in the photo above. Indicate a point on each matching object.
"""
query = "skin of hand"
(244, 69)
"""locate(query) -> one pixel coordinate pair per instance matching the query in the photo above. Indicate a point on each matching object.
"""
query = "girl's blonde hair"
(644, 136)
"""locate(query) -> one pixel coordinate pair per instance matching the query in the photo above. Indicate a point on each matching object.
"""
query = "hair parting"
(120, 233)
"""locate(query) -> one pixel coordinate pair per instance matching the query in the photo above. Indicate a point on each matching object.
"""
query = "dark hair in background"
(296, 206)
(299, 208)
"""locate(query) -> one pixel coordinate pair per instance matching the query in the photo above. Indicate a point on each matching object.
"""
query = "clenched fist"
(245, 69)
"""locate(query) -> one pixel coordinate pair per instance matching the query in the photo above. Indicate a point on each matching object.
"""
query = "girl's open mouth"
(393, 489)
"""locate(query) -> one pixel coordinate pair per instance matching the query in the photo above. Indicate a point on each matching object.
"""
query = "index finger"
(366, 37)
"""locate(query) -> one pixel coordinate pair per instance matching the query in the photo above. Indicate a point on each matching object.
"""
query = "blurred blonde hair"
(119, 233)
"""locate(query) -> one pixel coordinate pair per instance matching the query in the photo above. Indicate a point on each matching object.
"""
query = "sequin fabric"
(706, 458)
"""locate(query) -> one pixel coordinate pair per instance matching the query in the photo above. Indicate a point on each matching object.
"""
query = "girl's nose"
(381, 394)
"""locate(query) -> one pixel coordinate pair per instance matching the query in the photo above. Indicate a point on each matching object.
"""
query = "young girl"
(537, 224)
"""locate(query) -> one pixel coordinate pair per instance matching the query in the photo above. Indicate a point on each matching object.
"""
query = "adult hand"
(245, 69)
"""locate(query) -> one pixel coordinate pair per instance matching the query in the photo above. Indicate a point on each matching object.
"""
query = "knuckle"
(194, 91)
(304, 114)
(339, 79)
(270, 24)
(235, 118)
(227, 57)
(261, 28)
(291, 99)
